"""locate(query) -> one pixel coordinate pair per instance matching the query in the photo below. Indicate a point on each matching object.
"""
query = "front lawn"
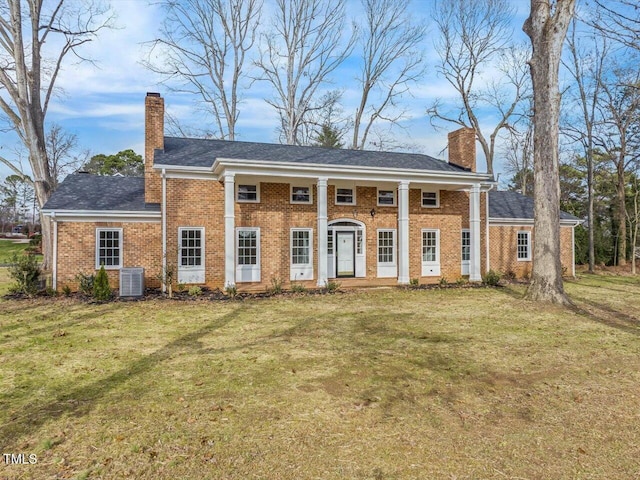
(378, 384)
(10, 247)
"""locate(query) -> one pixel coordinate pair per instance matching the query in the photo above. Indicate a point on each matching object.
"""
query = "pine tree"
(329, 137)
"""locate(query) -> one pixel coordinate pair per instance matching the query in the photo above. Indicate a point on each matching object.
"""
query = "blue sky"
(103, 102)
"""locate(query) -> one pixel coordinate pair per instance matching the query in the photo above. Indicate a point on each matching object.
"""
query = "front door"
(345, 253)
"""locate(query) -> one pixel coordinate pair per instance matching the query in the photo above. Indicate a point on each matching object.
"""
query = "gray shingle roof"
(515, 205)
(202, 153)
(83, 191)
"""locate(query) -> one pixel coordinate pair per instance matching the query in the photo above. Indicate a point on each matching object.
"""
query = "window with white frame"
(345, 196)
(300, 194)
(386, 198)
(248, 193)
(524, 246)
(466, 245)
(301, 246)
(330, 242)
(247, 254)
(358, 242)
(430, 199)
(109, 248)
(429, 246)
(386, 246)
(191, 247)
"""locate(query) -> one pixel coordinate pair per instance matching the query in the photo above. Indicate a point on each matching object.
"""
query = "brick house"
(222, 213)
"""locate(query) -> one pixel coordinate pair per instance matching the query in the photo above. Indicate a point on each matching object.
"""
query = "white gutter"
(164, 230)
(124, 215)
(529, 221)
(54, 280)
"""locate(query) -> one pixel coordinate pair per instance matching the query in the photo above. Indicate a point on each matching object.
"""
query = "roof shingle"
(515, 205)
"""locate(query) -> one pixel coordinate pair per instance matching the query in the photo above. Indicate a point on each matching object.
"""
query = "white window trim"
(528, 234)
(387, 269)
(191, 273)
(121, 248)
(301, 271)
(395, 197)
(248, 273)
(298, 202)
(257, 185)
(462, 232)
(437, 192)
(430, 268)
(353, 191)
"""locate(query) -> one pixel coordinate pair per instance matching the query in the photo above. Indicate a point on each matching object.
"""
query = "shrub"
(101, 289)
(276, 286)
(231, 290)
(66, 291)
(491, 278)
(181, 287)
(25, 270)
(461, 281)
(195, 291)
(298, 288)
(414, 282)
(331, 286)
(443, 282)
(85, 283)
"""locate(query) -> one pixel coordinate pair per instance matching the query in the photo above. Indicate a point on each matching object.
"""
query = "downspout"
(573, 251)
(54, 280)
(164, 230)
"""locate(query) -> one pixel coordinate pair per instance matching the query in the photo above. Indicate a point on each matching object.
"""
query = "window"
(345, 196)
(300, 247)
(247, 254)
(190, 247)
(300, 194)
(386, 245)
(430, 199)
(466, 245)
(330, 242)
(248, 193)
(386, 198)
(247, 247)
(524, 246)
(429, 246)
(109, 248)
(358, 242)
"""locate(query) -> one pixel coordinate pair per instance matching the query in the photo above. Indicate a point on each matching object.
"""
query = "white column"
(229, 231)
(403, 232)
(322, 231)
(54, 267)
(474, 228)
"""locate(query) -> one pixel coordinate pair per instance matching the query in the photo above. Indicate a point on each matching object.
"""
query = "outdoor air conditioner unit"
(132, 282)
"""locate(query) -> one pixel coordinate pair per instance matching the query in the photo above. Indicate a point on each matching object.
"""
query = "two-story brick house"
(223, 213)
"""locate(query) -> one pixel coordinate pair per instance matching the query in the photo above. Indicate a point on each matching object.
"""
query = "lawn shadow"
(81, 400)
(606, 315)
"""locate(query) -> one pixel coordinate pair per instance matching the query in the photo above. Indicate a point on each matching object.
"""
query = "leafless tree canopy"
(203, 50)
(389, 44)
(474, 35)
(618, 20)
(299, 51)
(28, 74)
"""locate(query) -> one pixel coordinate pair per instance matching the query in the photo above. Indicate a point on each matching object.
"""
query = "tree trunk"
(547, 30)
(622, 216)
(590, 213)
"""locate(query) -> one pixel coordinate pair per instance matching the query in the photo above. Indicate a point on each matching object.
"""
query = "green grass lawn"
(8, 248)
(378, 384)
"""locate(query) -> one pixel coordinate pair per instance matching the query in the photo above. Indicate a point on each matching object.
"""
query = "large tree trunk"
(547, 27)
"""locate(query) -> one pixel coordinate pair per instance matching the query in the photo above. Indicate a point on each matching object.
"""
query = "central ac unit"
(132, 282)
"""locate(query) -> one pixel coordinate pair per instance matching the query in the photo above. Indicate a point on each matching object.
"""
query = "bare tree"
(586, 67)
(618, 20)
(547, 28)
(63, 154)
(298, 56)
(518, 154)
(633, 217)
(203, 46)
(620, 137)
(389, 43)
(476, 34)
(28, 77)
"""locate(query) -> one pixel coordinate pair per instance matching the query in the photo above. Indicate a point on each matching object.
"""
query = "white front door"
(345, 254)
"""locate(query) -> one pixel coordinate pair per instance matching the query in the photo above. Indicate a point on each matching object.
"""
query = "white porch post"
(229, 231)
(322, 231)
(403, 232)
(474, 230)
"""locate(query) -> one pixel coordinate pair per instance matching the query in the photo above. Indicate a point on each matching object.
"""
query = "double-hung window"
(301, 254)
(524, 246)
(345, 196)
(247, 254)
(190, 247)
(466, 245)
(387, 266)
(430, 199)
(386, 198)
(109, 248)
(430, 252)
(300, 194)
(248, 193)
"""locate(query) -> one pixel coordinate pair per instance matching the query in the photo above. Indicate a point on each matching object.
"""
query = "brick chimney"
(153, 139)
(462, 148)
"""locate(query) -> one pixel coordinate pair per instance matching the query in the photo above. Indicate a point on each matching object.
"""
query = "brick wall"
(503, 253)
(77, 250)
